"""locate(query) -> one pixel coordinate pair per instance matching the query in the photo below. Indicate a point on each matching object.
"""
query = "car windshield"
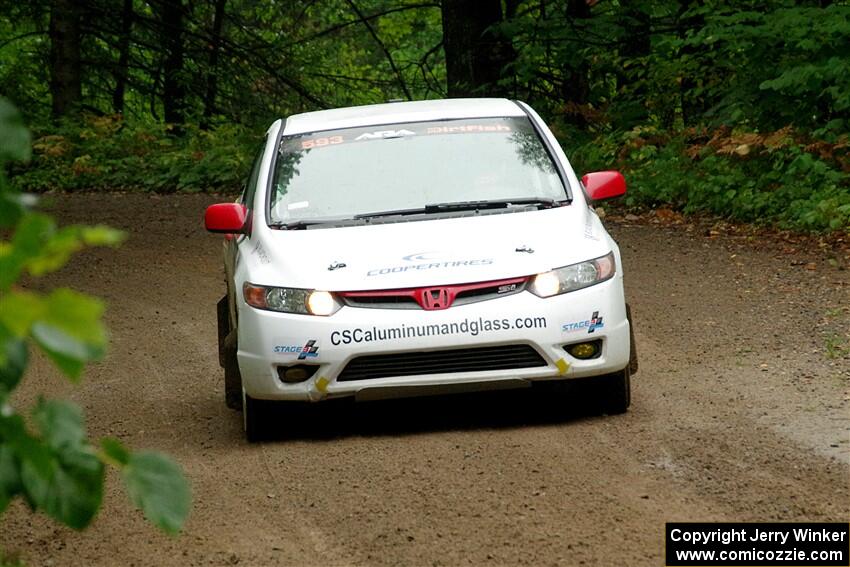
(360, 171)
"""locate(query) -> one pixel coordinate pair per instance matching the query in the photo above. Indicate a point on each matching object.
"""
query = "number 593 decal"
(319, 142)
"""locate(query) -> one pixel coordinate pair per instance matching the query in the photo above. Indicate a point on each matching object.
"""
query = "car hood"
(442, 251)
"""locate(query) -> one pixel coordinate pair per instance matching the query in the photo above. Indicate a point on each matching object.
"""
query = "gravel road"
(740, 411)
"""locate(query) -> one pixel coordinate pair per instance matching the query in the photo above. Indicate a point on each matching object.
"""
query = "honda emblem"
(435, 298)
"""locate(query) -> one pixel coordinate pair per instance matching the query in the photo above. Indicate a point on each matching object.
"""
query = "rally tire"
(255, 418)
(232, 381)
(612, 392)
(227, 347)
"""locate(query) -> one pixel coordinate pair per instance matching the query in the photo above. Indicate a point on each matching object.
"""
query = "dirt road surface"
(741, 411)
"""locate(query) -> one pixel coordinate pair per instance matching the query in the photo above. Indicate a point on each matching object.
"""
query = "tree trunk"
(123, 57)
(476, 55)
(575, 85)
(173, 90)
(693, 106)
(212, 74)
(65, 72)
(636, 44)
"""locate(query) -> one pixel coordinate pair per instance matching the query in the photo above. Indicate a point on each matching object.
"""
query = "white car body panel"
(461, 249)
(262, 331)
(395, 113)
(426, 252)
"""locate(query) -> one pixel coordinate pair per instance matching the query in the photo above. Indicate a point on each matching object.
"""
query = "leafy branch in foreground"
(48, 459)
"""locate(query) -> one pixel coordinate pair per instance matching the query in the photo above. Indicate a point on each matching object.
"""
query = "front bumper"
(268, 340)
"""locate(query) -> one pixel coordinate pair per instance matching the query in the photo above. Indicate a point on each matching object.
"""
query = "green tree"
(46, 457)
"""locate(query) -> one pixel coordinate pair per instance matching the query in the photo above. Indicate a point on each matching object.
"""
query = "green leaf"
(14, 135)
(56, 252)
(71, 491)
(157, 486)
(67, 353)
(101, 235)
(13, 362)
(60, 423)
(77, 314)
(115, 451)
(11, 208)
(19, 310)
(14, 434)
(40, 248)
(10, 476)
(71, 239)
(70, 331)
(32, 232)
(60, 473)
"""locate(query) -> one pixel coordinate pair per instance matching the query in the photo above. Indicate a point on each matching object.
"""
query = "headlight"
(576, 276)
(290, 300)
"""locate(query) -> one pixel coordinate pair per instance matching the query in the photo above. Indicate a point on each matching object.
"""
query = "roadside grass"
(836, 312)
(10, 560)
(837, 346)
(837, 343)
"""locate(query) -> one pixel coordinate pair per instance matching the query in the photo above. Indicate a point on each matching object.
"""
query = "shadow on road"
(481, 410)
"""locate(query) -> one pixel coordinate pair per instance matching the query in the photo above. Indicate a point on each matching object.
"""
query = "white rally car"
(413, 248)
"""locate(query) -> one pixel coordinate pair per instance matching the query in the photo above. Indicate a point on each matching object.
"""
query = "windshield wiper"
(542, 203)
(492, 204)
(302, 224)
(392, 213)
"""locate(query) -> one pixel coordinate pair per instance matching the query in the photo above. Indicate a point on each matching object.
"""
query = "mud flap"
(232, 376)
(223, 314)
(633, 356)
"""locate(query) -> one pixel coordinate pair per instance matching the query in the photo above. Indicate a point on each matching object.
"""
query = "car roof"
(398, 112)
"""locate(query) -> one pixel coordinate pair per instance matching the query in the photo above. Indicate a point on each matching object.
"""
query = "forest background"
(733, 108)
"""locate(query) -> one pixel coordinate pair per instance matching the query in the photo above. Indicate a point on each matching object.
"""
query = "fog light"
(583, 351)
(297, 373)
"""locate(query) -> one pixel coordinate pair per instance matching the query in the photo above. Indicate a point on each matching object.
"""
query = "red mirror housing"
(228, 218)
(602, 185)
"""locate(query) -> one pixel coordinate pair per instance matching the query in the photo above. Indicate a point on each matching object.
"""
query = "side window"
(247, 198)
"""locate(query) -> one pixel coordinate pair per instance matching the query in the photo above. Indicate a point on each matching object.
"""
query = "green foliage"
(780, 64)
(106, 153)
(785, 184)
(10, 561)
(15, 144)
(603, 73)
(48, 459)
(66, 480)
(156, 485)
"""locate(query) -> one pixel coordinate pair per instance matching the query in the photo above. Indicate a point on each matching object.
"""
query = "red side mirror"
(228, 218)
(602, 185)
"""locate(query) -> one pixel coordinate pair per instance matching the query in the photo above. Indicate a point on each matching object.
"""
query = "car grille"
(477, 359)
(406, 298)
(381, 302)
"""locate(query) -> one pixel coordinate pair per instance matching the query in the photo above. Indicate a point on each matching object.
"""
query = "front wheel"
(612, 392)
(255, 418)
(232, 381)
(227, 349)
